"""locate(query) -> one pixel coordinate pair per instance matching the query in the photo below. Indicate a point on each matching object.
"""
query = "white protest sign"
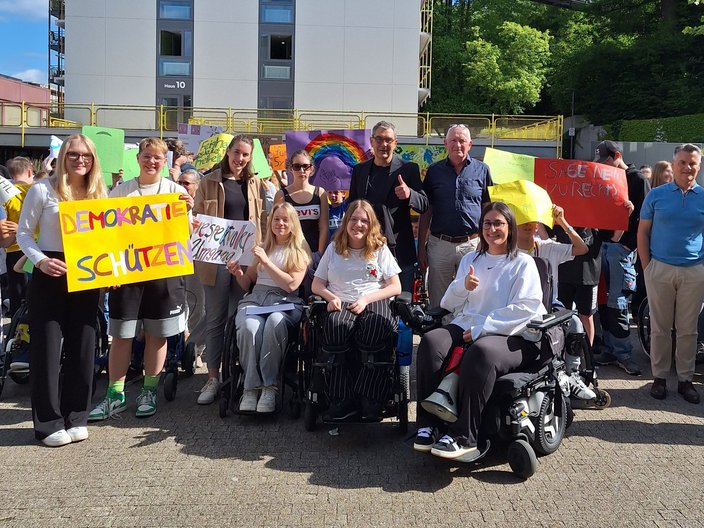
(54, 147)
(192, 135)
(7, 190)
(219, 241)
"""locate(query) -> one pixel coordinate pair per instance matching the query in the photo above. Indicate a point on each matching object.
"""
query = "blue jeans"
(618, 265)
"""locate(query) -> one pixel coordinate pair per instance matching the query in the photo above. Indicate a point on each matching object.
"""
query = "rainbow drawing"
(342, 147)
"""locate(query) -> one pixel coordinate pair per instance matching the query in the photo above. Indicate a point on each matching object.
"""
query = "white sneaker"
(57, 439)
(579, 389)
(267, 401)
(209, 391)
(78, 434)
(249, 401)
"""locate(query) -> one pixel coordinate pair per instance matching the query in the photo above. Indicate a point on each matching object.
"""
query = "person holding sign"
(158, 304)
(232, 192)
(671, 248)
(262, 338)
(496, 293)
(60, 410)
(356, 276)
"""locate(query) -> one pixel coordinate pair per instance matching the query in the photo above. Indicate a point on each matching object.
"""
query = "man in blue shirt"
(671, 248)
(456, 188)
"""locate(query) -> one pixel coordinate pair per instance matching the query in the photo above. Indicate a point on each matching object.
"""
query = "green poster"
(507, 166)
(260, 165)
(110, 144)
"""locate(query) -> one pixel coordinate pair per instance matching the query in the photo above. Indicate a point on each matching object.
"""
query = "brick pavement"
(638, 463)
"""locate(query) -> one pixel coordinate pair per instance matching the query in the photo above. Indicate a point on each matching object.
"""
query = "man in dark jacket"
(393, 187)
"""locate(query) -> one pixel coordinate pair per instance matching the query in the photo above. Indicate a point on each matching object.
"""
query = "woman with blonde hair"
(357, 275)
(60, 412)
(662, 174)
(277, 271)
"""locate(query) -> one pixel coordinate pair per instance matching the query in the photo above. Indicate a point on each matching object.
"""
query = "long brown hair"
(248, 171)
(375, 240)
(95, 187)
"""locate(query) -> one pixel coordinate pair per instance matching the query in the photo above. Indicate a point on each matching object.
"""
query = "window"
(175, 9)
(280, 47)
(277, 14)
(178, 68)
(171, 44)
(277, 72)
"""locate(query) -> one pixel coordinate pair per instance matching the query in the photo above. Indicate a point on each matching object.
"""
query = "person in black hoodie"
(618, 255)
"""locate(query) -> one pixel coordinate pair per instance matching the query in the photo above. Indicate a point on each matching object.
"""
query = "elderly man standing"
(457, 189)
(393, 187)
(671, 248)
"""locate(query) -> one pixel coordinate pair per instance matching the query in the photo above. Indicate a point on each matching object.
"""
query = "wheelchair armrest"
(316, 305)
(551, 319)
(437, 312)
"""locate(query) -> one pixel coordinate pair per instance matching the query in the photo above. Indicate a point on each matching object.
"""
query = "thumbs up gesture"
(471, 281)
(402, 191)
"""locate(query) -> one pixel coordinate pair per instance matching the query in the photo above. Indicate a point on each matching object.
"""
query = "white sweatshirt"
(508, 296)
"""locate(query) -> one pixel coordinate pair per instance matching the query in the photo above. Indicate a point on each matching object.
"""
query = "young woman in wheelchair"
(496, 292)
(357, 276)
(277, 271)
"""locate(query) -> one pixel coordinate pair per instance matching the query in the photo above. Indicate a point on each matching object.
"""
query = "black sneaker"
(448, 447)
(340, 410)
(425, 439)
(371, 410)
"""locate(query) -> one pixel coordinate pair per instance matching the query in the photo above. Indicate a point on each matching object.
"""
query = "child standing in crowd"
(337, 195)
(60, 410)
(157, 304)
(277, 271)
(231, 191)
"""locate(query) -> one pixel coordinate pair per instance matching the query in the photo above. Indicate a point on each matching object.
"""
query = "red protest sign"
(591, 194)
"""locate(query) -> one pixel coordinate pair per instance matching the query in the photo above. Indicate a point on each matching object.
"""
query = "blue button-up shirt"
(457, 199)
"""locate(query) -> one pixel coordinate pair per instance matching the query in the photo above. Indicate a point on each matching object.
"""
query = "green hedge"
(680, 129)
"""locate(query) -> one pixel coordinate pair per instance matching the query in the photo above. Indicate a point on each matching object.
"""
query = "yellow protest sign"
(507, 166)
(116, 241)
(528, 202)
(212, 150)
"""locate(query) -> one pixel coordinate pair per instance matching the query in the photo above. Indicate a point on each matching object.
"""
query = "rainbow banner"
(114, 241)
(334, 153)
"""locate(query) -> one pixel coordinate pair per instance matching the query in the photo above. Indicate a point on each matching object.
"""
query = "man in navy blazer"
(393, 187)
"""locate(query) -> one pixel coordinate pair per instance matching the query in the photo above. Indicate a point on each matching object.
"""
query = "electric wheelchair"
(528, 409)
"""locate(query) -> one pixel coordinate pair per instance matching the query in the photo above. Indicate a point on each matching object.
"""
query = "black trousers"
(483, 362)
(16, 282)
(53, 313)
(370, 330)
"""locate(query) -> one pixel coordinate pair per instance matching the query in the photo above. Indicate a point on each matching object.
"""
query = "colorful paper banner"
(334, 153)
(114, 241)
(260, 165)
(278, 157)
(423, 155)
(219, 241)
(591, 194)
(528, 202)
(508, 167)
(109, 144)
(212, 150)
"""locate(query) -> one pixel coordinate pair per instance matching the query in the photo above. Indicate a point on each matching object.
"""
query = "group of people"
(357, 253)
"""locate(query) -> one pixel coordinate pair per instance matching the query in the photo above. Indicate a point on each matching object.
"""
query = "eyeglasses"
(186, 183)
(384, 140)
(157, 159)
(497, 224)
(75, 156)
(301, 166)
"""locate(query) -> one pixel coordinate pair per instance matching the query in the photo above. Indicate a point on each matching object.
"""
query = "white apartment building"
(326, 55)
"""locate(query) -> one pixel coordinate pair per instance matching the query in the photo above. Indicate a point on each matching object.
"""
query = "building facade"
(317, 55)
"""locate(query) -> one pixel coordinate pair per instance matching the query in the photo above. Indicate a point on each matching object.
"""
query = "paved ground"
(639, 463)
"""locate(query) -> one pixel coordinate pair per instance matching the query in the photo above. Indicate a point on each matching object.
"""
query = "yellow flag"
(528, 202)
(507, 166)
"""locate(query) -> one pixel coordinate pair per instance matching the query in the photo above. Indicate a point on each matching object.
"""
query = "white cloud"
(36, 9)
(31, 75)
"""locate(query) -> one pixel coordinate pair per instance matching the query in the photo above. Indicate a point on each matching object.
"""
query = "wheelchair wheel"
(170, 382)
(603, 399)
(522, 459)
(644, 326)
(550, 427)
(570, 414)
(223, 403)
(188, 360)
(310, 417)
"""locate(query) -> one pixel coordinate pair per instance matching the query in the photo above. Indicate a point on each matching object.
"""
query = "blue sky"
(24, 39)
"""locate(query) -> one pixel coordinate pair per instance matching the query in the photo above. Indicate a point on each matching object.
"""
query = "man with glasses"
(457, 190)
(393, 187)
(618, 258)
(671, 249)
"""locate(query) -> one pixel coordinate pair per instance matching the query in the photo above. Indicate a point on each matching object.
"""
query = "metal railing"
(164, 120)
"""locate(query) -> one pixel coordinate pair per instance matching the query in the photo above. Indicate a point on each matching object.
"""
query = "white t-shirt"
(133, 188)
(352, 277)
(555, 253)
(277, 257)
